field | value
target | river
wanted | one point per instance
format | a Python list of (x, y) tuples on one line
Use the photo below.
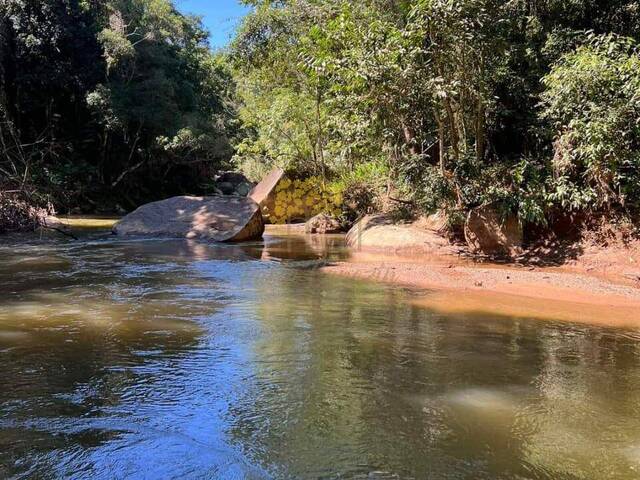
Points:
[(165, 359)]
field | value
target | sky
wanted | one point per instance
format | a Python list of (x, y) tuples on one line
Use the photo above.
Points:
[(219, 16)]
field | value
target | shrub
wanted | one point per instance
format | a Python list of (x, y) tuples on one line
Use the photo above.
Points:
[(18, 214), (363, 189), (592, 98)]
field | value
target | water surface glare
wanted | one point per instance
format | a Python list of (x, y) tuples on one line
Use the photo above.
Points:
[(172, 359)]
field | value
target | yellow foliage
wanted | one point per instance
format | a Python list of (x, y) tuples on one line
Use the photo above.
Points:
[(302, 199), (284, 184)]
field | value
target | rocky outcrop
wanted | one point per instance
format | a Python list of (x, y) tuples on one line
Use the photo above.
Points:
[(439, 222), (486, 231), (264, 192), (221, 219), (379, 232), (233, 183), (322, 223)]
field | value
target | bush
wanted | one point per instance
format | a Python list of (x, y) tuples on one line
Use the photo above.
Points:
[(592, 99), (17, 214), (299, 200), (363, 189)]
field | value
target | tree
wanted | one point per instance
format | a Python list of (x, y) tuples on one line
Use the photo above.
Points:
[(447, 96), (592, 100), (116, 101)]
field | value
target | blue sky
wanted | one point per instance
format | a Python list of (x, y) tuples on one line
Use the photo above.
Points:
[(219, 16)]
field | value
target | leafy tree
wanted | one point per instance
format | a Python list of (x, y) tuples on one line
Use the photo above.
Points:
[(529, 106), (592, 99), (448, 96), (117, 101), (160, 104)]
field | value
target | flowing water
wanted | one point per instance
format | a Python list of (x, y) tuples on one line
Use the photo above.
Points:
[(173, 359)]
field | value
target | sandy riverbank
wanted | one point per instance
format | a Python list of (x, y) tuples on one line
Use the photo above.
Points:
[(599, 287)]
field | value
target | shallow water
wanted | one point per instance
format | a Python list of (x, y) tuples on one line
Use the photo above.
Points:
[(175, 359)]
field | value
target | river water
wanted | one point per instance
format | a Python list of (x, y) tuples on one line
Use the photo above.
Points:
[(168, 359)]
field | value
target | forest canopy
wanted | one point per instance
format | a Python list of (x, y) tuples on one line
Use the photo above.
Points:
[(109, 102), (532, 106)]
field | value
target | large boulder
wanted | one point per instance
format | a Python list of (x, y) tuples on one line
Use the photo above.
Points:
[(487, 231), (438, 222), (226, 188), (264, 192), (322, 223), (379, 232), (243, 189), (221, 219), (234, 178)]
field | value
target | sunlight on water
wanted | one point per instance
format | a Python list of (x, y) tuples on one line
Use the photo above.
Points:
[(175, 359)]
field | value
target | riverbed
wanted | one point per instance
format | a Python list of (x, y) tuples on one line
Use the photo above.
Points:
[(177, 359)]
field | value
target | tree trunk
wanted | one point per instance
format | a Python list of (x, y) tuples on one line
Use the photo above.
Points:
[(320, 142), (480, 132), (441, 143), (410, 140), (455, 140)]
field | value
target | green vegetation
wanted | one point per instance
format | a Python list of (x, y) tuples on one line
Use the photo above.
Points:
[(106, 103), (533, 107)]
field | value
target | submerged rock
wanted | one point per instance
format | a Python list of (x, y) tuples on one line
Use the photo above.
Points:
[(221, 219), (487, 232), (322, 223)]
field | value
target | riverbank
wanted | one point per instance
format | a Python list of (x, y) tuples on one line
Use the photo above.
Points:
[(600, 286), (19, 214)]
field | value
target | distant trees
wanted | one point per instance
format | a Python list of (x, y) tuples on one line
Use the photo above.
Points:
[(113, 101), (531, 106)]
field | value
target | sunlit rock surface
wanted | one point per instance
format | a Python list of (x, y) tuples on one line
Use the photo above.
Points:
[(379, 232), (221, 219), (486, 231), (264, 192)]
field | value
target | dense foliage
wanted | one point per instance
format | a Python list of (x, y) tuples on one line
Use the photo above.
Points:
[(529, 105), (108, 102)]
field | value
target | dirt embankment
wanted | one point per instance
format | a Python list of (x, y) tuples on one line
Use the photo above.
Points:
[(576, 282)]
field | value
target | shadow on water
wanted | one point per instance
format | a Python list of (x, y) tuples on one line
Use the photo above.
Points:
[(177, 359)]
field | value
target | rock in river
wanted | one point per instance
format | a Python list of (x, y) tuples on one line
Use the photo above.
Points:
[(322, 223), (264, 192), (221, 219)]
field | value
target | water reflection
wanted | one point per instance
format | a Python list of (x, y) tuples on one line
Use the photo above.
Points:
[(172, 359)]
